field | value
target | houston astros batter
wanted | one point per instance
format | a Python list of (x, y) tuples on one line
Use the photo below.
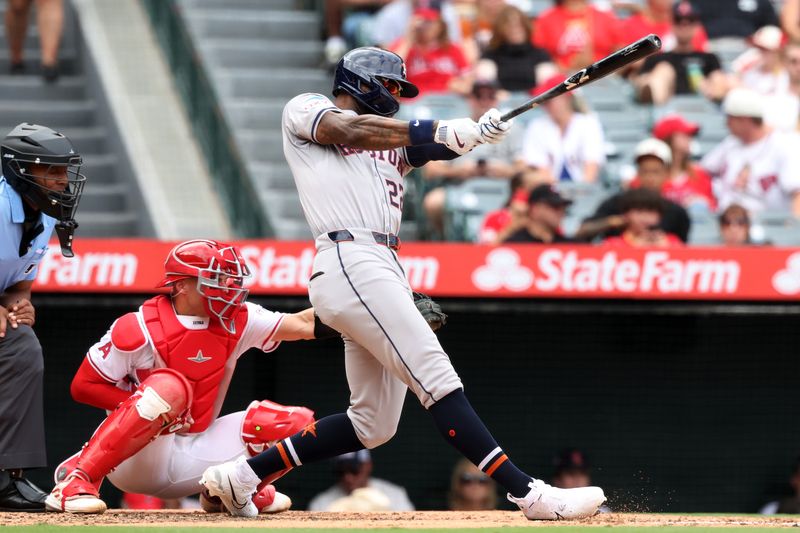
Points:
[(348, 158)]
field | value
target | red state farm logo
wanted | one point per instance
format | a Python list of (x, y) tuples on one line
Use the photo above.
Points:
[(502, 271), (787, 281)]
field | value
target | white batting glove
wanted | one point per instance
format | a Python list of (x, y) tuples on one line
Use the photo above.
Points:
[(494, 130), (460, 135)]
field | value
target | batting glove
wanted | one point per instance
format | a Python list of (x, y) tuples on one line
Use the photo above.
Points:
[(494, 130), (460, 135)]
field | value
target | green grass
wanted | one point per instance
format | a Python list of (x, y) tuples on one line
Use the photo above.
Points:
[(537, 529)]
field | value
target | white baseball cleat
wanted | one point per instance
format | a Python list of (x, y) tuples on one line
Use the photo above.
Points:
[(544, 502), (233, 484), (75, 495)]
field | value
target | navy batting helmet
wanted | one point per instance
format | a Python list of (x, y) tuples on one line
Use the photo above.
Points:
[(374, 77)]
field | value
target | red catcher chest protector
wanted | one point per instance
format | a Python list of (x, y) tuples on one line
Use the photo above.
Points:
[(199, 354)]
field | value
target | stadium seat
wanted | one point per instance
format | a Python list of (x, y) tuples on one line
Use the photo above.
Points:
[(467, 204)]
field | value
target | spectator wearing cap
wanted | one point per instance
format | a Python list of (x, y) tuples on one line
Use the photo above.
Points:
[(734, 226), (496, 161), (392, 21), (683, 70), (353, 471), (546, 211), (471, 489), (689, 185), (572, 470), (497, 225), (761, 67), (789, 504), (576, 33), (755, 166), (656, 17), (653, 160), (565, 144), (433, 63), (642, 211), (735, 18), (519, 64)]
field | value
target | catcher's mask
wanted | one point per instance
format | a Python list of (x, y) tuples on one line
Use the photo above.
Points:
[(375, 78), (220, 271), (42, 166)]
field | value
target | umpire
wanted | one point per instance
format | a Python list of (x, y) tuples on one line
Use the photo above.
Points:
[(39, 191)]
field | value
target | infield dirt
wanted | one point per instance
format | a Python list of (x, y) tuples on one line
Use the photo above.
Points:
[(406, 520)]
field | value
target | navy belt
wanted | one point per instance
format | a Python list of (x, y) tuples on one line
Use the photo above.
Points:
[(390, 240)]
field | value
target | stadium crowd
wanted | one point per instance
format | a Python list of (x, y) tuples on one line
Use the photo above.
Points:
[(697, 144)]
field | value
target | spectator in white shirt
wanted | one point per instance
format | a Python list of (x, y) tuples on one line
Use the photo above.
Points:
[(565, 144), (354, 472), (761, 68), (754, 166)]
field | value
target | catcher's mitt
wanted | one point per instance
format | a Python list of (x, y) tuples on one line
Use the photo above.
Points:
[(430, 311)]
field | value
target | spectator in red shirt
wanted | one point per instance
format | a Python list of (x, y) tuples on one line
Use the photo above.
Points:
[(500, 223), (433, 63), (689, 184), (576, 33), (656, 17), (642, 210)]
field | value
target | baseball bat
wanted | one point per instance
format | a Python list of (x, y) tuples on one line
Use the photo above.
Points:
[(630, 54)]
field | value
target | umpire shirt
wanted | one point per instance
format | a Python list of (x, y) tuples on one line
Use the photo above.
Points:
[(13, 266)]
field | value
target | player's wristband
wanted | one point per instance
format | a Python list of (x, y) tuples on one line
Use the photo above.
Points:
[(420, 131), (323, 331)]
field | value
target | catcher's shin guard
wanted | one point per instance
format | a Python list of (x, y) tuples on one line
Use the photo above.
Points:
[(158, 404)]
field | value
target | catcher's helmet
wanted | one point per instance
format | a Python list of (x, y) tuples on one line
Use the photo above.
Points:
[(364, 73), (220, 271)]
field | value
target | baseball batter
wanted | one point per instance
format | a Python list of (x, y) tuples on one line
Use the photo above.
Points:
[(348, 158), (179, 352)]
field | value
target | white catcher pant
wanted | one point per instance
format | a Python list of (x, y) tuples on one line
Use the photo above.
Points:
[(389, 347), (171, 465)]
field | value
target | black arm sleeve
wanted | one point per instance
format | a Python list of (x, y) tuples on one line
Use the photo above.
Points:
[(422, 153)]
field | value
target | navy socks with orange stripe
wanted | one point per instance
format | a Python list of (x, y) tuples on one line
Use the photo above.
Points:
[(323, 439), (463, 429)]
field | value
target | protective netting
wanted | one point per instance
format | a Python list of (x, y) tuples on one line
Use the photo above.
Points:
[(685, 413)]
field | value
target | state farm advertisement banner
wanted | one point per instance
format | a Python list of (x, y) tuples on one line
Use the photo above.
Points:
[(464, 270)]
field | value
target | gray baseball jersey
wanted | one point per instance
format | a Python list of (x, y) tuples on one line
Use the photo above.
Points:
[(358, 287), (341, 187)]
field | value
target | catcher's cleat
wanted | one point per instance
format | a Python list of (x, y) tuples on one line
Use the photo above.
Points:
[(75, 495), (269, 501), (544, 502), (225, 482)]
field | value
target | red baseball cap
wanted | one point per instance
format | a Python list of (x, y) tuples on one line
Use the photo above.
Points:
[(427, 13), (547, 84), (672, 124)]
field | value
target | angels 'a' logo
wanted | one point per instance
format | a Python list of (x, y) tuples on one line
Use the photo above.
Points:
[(576, 79)]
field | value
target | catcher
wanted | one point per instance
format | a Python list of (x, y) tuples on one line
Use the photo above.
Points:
[(163, 371)]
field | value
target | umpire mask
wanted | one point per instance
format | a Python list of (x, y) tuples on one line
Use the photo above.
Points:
[(41, 165)]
